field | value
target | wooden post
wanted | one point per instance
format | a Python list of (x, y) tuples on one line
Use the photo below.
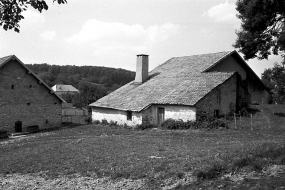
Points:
[(251, 121), (235, 120)]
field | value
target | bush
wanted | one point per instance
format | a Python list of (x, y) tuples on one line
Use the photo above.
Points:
[(147, 123), (179, 124), (215, 124), (113, 123), (96, 122), (88, 120), (202, 116), (104, 122), (173, 124)]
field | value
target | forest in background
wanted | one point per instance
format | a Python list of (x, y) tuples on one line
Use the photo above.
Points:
[(92, 81), (110, 78)]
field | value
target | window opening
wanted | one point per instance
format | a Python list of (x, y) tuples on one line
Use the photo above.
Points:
[(12, 86)]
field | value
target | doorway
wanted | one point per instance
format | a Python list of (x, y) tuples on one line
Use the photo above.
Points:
[(160, 116)]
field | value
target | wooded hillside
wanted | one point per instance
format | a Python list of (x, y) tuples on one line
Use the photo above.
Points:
[(110, 78)]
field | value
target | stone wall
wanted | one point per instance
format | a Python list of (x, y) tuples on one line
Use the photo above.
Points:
[(222, 98), (23, 98)]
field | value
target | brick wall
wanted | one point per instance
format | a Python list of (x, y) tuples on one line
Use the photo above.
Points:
[(222, 98), (23, 98)]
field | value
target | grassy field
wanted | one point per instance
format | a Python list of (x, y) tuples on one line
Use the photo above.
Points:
[(150, 159)]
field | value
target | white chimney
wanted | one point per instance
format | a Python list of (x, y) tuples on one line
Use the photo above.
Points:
[(142, 69)]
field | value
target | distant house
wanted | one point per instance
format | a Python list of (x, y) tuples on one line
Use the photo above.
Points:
[(216, 84), (25, 97), (64, 89)]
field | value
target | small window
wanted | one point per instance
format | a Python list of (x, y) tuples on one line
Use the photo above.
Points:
[(55, 103), (30, 86), (129, 115), (28, 104), (216, 113), (12, 86)]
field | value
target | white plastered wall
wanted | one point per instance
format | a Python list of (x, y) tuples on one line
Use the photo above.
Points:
[(116, 115), (185, 113), (177, 112)]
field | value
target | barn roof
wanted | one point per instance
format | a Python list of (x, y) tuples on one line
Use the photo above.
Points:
[(180, 80), (6, 59)]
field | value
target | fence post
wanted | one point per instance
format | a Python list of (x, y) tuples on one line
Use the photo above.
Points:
[(235, 120), (251, 121)]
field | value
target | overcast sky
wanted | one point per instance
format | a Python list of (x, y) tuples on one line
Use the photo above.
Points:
[(111, 33)]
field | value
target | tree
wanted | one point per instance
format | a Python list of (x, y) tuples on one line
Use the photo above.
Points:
[(89, 93), (262, 30), (274, 79), (11, 11)]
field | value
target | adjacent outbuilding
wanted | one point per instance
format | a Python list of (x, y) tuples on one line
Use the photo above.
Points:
[(61, 89), (181, 88), (26, 98)]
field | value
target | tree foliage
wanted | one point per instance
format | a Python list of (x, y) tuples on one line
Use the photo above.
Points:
[(11, 11), (109, 78), (89, 93), (262, 30), (274, 79)]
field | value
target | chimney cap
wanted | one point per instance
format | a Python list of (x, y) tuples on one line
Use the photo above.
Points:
[(142, 55)]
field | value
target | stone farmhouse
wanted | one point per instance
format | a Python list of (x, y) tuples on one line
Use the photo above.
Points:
[(25, 97), (64, 89), (215, 83)]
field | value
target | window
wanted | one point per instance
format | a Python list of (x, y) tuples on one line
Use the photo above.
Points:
[(129, 115), (30, 86), (28, 104), (216, 113), (12, 86)]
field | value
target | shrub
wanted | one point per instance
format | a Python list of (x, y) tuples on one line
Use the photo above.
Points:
[(179, 124), (96, 122), (173, 124), (113, 123), (215, 124), (104, 122), (88, 120), (147, 123), (202, 116)]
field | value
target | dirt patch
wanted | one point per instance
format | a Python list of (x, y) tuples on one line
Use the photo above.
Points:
[(36, 181)]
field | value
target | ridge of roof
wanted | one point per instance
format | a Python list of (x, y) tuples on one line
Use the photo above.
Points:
[(203, 54)]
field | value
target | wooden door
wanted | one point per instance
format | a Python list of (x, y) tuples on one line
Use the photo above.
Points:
[(160, 116)]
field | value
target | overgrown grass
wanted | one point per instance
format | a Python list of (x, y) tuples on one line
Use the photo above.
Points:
[(156, 155)]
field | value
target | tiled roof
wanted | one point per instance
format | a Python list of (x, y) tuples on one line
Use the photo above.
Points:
[(179, 80)]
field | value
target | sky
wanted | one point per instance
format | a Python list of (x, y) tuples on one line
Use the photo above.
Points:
[(111, 33)]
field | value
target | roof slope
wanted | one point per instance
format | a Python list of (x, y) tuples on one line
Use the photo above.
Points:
[(6, 59), (179, 80)]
